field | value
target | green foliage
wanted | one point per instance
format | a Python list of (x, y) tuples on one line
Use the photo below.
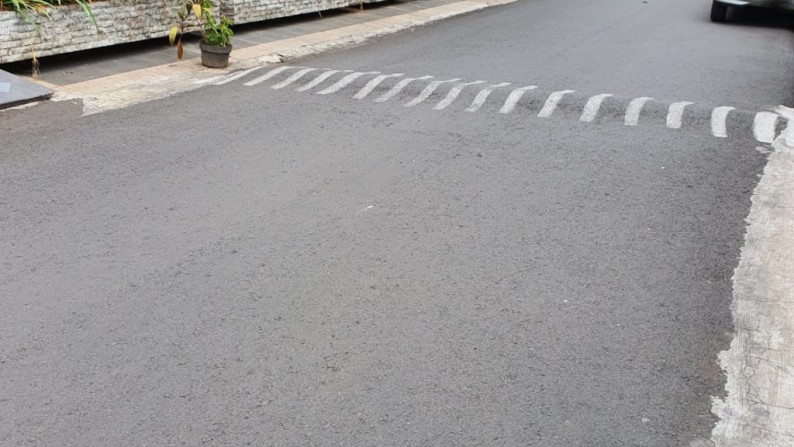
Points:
[(198, 14), (218, 32), (26, 9), (29, 9)]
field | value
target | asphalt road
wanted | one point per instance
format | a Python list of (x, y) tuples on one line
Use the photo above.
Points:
[(243, 265)]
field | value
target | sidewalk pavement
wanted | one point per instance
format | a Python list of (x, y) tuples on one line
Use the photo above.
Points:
[(119, 76)]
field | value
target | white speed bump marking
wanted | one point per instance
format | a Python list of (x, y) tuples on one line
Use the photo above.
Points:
[(634, 109), (719, 127), (675, 114), (429, 91), (453, 94), (591, 108), (764, 126), (514, 97), (764, 123), (295, 76), (479, 100), (551, 103)]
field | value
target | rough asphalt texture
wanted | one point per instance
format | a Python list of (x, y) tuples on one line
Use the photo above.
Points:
[(246, 266)]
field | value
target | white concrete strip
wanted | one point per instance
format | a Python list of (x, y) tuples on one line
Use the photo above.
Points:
[(514, 97), (453, 94), (764, 126), (295, 76), (634, 109), (482, 96), (236, 76), (344, 82), (371, 85), (267, 75), (592, 106), (398, 87), (428, 91), (787, 135), (319, 79), (5, 87), (551, 103), (675, 114), (719, 116), (758, 410)]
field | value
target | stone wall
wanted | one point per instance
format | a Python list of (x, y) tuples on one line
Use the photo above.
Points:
[(124, 21), (69, 29), (245, 11)]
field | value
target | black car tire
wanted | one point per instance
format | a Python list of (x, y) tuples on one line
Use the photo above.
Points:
[(719, 12)]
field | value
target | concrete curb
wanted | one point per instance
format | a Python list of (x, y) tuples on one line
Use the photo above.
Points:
[(759, 408), (138, 86)]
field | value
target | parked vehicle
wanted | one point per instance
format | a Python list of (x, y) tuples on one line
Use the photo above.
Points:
[(719, 8)]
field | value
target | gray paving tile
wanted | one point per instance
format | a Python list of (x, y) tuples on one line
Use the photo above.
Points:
[(16, 91)]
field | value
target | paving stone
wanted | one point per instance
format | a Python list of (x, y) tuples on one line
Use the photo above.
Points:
[(16, 91)]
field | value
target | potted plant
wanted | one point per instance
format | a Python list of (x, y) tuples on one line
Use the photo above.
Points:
[(216, 33)]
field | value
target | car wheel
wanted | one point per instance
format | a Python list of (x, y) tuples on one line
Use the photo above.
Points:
[(719, 12)]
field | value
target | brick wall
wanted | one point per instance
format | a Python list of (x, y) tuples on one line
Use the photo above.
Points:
[(123, 21)]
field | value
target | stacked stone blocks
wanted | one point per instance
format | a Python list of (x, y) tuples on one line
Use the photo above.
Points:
[(122, 21)]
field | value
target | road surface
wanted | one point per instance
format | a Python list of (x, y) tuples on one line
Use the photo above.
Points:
[(410, 251)]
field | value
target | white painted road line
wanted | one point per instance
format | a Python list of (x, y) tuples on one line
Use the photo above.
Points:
[(236, 76), (676, 113), (344, 82), (399, 87), (479, 100), (719, 116), (267, 75), (209, 80), (453, 94), (299, 74), (5, 87), (514, 97), (319, 79), (591, 108), (374, 83), (428, 91), (764, 126), (551, 103), (634, 109), (765, 123)]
